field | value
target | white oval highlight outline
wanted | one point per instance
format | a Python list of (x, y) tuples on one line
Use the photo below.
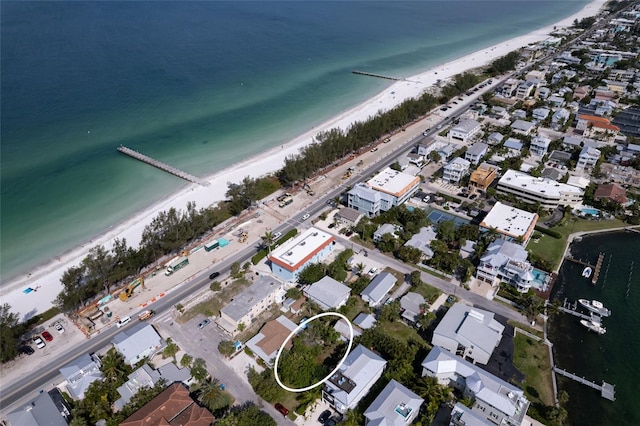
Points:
[(298, 328)]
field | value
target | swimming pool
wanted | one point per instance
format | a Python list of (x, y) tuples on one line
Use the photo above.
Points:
[(539, 279), (590, 210)]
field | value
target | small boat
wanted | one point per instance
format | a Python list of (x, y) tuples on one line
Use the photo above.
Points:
[(594, 325), (595, 307), (586, 272)]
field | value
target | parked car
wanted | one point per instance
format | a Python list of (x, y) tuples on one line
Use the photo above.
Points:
[(59, 328), (473, 197), (214, 275), (276, 235), (202, 324), (28, 350), (47, 336), (39, 342), (324, 416), (123, 321), (283, 410), (372, 271)]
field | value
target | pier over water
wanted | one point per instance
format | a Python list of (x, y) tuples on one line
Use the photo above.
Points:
[(162, 166)]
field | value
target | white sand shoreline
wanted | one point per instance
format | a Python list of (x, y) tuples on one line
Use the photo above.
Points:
[(46, 279)]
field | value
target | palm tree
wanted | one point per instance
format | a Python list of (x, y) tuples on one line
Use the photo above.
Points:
[(360, 267), (199, 370), (267, 240), (171, 349), (211, 395), (113, 366)]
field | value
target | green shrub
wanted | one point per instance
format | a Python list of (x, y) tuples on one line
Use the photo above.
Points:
[(549, 232)]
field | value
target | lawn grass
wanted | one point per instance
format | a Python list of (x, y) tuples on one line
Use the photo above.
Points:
[(552, 249), (354, 306), (401, 330), (434, 273), (526, 328), (212, 306), (532, 359), (429, 293)]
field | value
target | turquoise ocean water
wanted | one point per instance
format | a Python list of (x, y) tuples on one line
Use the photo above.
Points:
[(199, 85), (612, 357)]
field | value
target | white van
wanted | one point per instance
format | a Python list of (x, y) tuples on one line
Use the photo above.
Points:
[(123, 321)]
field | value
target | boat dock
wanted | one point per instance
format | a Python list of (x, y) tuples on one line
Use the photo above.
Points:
[(571, 308), (596, 271), (162, 166), (370, 74), (607, 390)]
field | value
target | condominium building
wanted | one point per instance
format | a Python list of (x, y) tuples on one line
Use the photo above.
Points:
[(510, 223), (311, 246), (386, 189), (549, 193)]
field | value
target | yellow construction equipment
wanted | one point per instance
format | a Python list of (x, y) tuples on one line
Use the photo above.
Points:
[(127, 292)]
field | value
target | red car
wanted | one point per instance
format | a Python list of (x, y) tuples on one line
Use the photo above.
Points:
[(283, 410), (47, 336)]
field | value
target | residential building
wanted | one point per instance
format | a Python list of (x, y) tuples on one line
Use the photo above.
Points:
[(510, 223), (465, 130), (468, 332), (348, 217), (310, 246), (629, 121), (461, 415), (172, 407), (80, 373), (247, 306), (342, 327), (506, 261), (508, 88), (549, 193), (526, 89), (46, 409), (270, 338), (425, 149), (394, 406), (412, 305), (495, 138), (455, 170), (578, 182), (422, 241), (146, 376), (138, 342), (386, 228), (513, 145), (378, 288), (386, 189), (588, 158), (483, 176), (493, 398), (559, 118), (592, 125), (556, 101), (522, 127), (611, 192), (359, 372), (540, 114), (364, 321), (328, 293), (475, 152), (619, 87), (539, 146)]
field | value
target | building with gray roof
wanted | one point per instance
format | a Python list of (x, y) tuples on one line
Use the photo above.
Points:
[(475, 152), (386, 228), (471, 332), (506, 261), (80, 373), (137, 342), (348, 216), (359, 372), (46, 409), (523, 127), (364, 321), (146, 376), (378, 288), (411, 304), (422, 241), (464, 130), (463, 415), (493, 398), (455, 169), (394, 406), (328, 293)]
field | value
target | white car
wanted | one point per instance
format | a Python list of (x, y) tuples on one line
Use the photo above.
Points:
[(39, 342), (276, 235), (305, 216), (59, 328), (372, 271), (123, 321)]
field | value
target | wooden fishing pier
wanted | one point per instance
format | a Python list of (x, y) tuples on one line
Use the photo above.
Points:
[(596, 269), (607, 390), (162, 166), (370, 74)]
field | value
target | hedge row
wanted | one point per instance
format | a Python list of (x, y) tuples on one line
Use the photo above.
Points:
[(261, 254), (549, 232)]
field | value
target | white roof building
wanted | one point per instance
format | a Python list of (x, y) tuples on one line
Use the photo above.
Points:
[(455, 170), (511, 223), (464, 130), (364, 321), (386, 189), (588, 158), (310, 246), (80, 373), (422, 241), (474, 330), (506, 261), (494, 399), (378, 288), (328, 293), (549, 193), (539, 145), (137, 342), (394, 406), (359, 372)]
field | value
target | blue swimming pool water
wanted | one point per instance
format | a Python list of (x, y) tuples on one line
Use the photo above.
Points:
[(539, 278), (590, 210)]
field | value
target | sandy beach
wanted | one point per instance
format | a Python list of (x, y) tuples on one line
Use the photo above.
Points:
[(46, 279)]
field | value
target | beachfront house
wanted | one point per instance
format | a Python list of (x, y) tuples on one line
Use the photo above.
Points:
[(464, 130), (138, 342)]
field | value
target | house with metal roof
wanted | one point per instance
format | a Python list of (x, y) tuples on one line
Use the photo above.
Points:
[(310, 246), (386, 228), (539, 145), (522, 127), (378, 288), (147, 376), (248, 305), (455, 169), (328, 293), (46, 409), (475, 152), (353, 380), (138, 342), (494, 399), (588, 158), (464, 130), (80, 373), (348, 216), (470, 332), (394, 406), (506, 261), (270, 338), (412, 305), (364, 321), (422, 241)]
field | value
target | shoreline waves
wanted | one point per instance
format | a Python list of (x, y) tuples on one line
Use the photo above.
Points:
[(46, 278)]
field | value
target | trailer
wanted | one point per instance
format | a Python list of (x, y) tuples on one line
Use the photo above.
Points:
[(175, 264), (286, 202), (212, 245), (146, 314)]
